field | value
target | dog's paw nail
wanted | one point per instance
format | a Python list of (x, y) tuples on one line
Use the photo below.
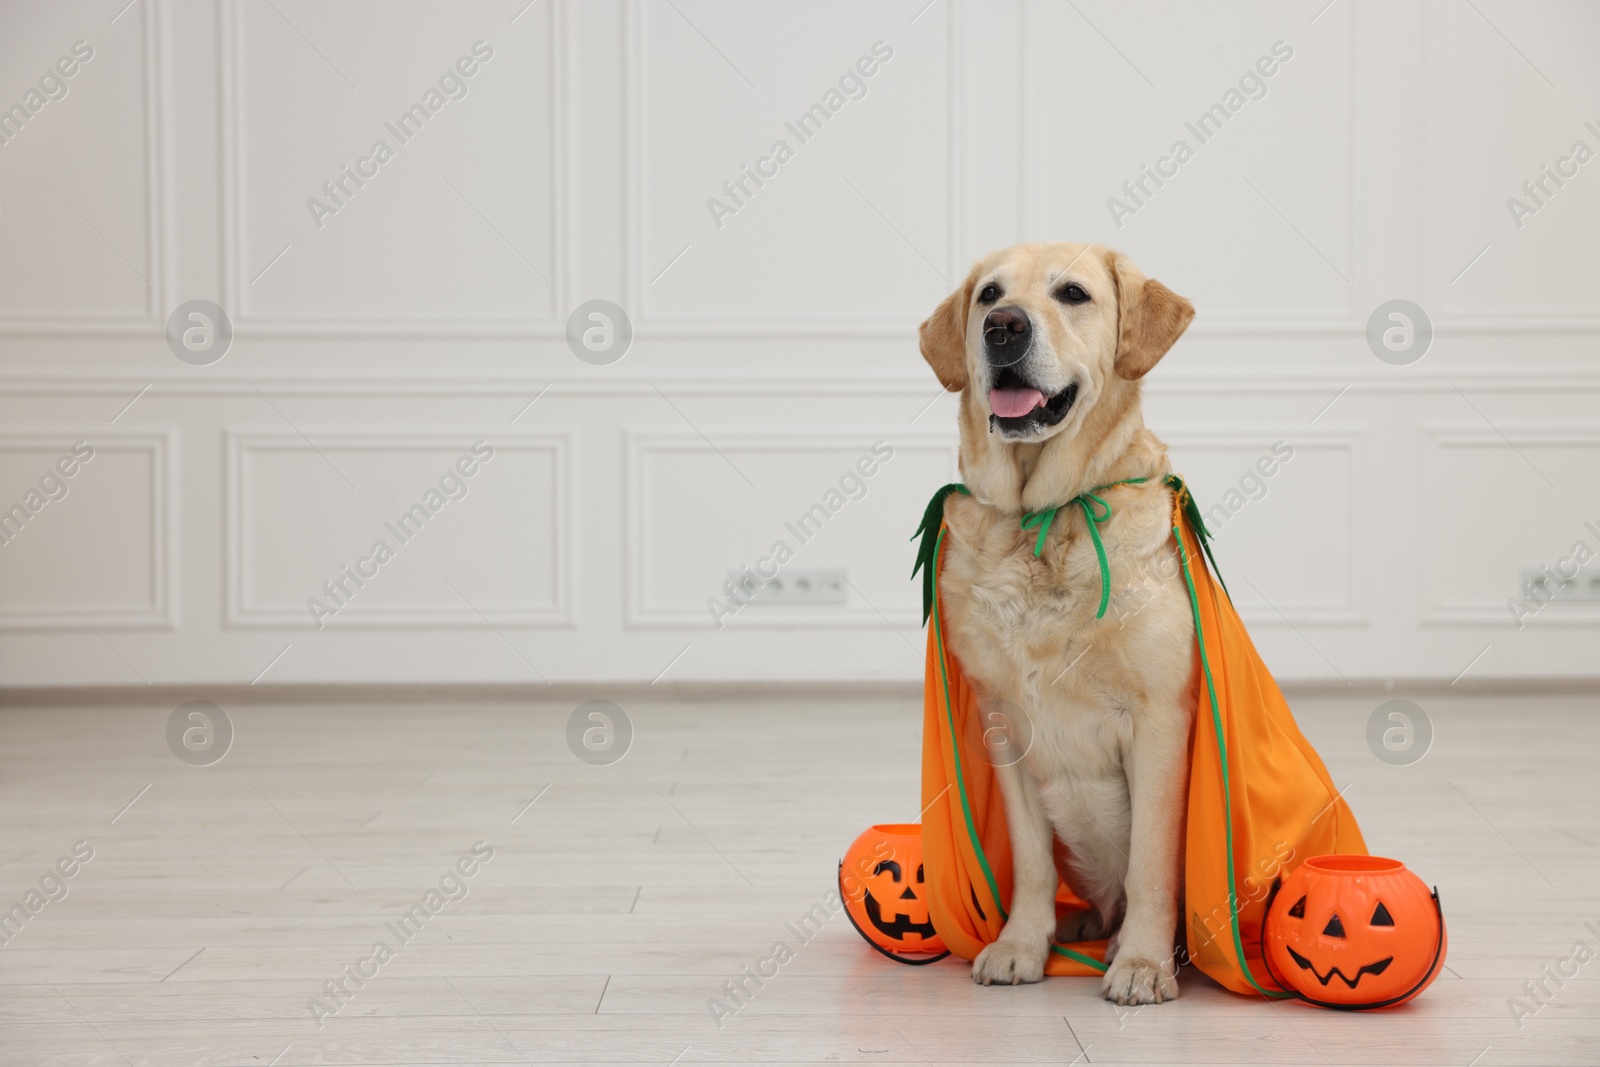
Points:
[(1131, 980), (1008, 963)]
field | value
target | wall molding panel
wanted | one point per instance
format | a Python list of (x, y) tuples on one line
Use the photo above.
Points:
[(157, 222), (636, 283), (245, 530), (237, 276), (159, 612)]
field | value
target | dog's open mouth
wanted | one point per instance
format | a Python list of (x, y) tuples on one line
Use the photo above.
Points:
[(1017, 405)]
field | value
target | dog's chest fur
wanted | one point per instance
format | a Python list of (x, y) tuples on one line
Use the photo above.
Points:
[(1025, 632), (1003, 602), (1024, 628)]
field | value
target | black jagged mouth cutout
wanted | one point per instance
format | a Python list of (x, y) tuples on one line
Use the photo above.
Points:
[(1371, 968), (900, 927)]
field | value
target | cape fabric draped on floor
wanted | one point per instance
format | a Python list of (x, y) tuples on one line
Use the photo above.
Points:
[(1260, 800)]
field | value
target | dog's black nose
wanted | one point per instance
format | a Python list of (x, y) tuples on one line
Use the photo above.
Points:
[(1006, 326)]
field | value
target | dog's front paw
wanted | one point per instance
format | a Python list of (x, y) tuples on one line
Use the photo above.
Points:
[(1132, 980), (1009, 963)]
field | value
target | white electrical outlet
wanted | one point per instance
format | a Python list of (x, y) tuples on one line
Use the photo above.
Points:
[(1548, 585), (791, 587)]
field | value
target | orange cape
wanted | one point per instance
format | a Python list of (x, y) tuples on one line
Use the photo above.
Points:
[(1260, 800)]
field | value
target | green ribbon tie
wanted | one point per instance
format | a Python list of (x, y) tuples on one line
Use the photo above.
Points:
[(1095, 511)]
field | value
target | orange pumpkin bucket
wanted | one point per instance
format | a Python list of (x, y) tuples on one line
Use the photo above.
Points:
[(882, 885), (1353, 932)]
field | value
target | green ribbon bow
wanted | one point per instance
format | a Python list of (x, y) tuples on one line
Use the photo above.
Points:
[(1095, 511), (1092, 519)]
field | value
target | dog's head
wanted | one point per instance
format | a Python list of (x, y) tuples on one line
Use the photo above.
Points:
[(1040, 333)]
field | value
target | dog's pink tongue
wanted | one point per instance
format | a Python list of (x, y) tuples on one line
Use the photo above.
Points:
[(1013, 403)]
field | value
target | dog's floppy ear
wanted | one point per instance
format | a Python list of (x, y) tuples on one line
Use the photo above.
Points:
[(1150, 318), (944, 336)]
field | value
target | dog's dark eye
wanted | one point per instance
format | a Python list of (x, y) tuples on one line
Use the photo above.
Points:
[(1073, 294), (990, 294)]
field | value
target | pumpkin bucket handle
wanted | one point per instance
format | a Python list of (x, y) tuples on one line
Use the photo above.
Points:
[(1266, 959)]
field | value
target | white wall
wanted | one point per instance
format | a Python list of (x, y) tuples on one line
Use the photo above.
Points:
[(772, 350)]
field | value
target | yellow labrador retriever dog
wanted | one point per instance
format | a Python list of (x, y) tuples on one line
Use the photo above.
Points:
[(1047, 344)]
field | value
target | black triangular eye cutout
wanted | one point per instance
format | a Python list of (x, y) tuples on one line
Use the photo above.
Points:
[(1335, 928), (1381, 917), (1299, 909), (919, 877)]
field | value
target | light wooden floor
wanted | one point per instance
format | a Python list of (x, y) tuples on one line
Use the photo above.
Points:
[(617, 905)]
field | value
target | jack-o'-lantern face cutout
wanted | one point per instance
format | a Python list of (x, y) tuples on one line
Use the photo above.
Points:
[(1334, 929), (906, 904), (882, 884), (1354, 932)]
